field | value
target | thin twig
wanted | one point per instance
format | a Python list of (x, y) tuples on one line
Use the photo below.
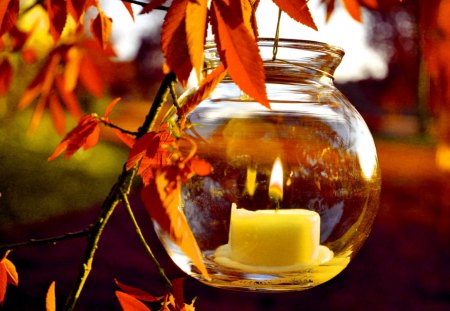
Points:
[(44, 241), (141, 237), (112, 125)]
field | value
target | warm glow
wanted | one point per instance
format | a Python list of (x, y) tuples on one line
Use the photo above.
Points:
[(276, 180), (443, 157)]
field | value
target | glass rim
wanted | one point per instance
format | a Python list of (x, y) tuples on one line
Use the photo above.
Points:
[(292, 43), (301, 44)]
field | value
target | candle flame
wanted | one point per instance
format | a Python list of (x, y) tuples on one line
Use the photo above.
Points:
[(276, 181)]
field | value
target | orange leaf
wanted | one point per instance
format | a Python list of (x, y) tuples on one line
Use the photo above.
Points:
[(129, 8), (353, 8), (205, 88), (57, 113), (152, 5), (178, 293), (329, 8), (50, 299), (72, 68), (125, 138), (200, 167), (6, 75), (196, 12), (69, 99), (3, 282), (298, 10), (129, 303), (76, 8), (138, 293), (101, 28), (85, 134), (147, 146), (162, 199), (249, 17), (372, 4), (173, 41), (18, 38), (9, 11), (57, 14), (91, 77), (238, 50), (12, 276), (41, 83), (110, 107)]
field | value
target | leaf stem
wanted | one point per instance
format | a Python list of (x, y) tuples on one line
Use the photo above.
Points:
[(141, 237), (50, 240)]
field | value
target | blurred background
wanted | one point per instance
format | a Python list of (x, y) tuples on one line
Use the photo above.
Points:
[(397, 74)]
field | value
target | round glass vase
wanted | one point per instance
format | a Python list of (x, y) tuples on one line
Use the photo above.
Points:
[(294, 189)]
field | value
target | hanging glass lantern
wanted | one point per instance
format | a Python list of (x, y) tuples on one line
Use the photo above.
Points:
[(294, 189)]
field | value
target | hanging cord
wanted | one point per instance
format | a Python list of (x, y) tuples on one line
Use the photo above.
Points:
[(277, 37)]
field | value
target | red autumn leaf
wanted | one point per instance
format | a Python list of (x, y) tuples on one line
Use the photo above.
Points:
[(129, 303), (200, 167), (57, 113), (329, 8), (57, 14), (147, 146), (238, 50), (110, 107), (129, 8), (50, 298), (18, 38), (29, 55), (353, 8), (196, 12), (41, 83), (298, 10), (173, 41), (101, 28), (85, 135), (205, 88), (9, 11), (6, 75), (125, 138), (372, 4), (69, 99), (72, 68), (152, 5), (162, 199), (76, 8), (249, 16), (138, 293), (12, 276), (91, 77), (3, 282), (178, 293)]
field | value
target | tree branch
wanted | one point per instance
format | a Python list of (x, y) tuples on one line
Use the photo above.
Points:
[(122, 186), (141, 237), (44, 241)]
